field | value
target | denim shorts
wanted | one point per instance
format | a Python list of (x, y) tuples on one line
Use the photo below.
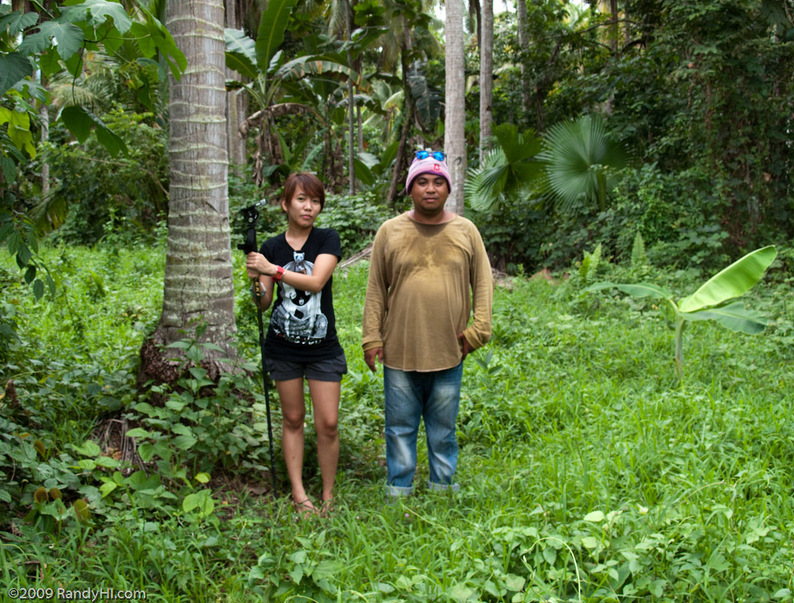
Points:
[(317, 370)]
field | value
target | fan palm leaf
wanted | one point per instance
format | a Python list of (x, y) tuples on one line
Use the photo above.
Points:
[(509, 169), (581, 162)]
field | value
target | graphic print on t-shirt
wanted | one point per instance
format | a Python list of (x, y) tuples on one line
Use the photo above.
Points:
[(299, 317)]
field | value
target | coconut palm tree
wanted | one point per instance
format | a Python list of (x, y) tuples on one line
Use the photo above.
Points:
[(454, 99), (199, 288), (486, 76)]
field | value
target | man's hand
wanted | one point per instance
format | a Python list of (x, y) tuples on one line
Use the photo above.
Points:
[(370, 356), (465, 346)]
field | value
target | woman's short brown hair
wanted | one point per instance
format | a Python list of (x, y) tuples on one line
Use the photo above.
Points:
[(310, 185)]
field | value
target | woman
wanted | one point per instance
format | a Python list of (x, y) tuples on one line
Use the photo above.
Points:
[(301, 341)]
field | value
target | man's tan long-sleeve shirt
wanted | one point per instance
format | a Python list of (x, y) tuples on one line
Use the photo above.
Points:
[(425, 280)]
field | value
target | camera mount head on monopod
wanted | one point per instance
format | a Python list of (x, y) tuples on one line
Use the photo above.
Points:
[(251, 216)]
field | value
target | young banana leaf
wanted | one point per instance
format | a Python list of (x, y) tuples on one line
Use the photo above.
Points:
[(732, 282), (714, 300)]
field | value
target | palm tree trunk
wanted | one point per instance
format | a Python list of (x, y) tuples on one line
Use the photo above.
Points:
[(351, 138), (44, 115), (351, 142), (235, 102), (523, 46), (455, 119), (408, 116), (199, 291), (486, 77), (613, 18)]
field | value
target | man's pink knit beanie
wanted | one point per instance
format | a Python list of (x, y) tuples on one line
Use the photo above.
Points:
[(429, 165)]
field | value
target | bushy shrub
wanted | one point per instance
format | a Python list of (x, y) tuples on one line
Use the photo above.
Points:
[(672, 212), (103, 194), (355, 218), (512, 236)]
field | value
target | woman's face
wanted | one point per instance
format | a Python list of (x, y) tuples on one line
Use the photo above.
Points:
[(302, 209)]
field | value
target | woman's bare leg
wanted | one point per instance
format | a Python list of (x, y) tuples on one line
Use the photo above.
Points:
[(325, 399), (293, 410)]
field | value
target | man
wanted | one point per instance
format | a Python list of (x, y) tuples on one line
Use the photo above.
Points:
[(428, 273)]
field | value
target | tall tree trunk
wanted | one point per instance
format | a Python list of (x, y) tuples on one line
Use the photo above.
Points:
[(360, 127), (613, 18), (235, 102), (44, 116), (455, 119), (351, 138), (523, 46), (199, 288), (400, 161), (486, 77)]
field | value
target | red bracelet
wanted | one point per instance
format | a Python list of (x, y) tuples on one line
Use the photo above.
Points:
[(279, 273)]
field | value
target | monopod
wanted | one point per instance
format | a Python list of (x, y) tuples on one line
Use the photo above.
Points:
[(251, 215)]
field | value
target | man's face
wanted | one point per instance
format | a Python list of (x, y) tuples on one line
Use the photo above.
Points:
[(429, 193)]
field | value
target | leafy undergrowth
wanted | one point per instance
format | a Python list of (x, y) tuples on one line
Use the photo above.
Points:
[(588, 473)]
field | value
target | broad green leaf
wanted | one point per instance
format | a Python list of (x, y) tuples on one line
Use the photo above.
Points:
[(16, 22), (107, 488), (240, 53), (184, 442), (589, 542), (201, 501), (153, 37), (638, 290), (735, 280), (271, 30), (514, 582), (109, 139), (363, 173), (66, 37), (595, 516), (182, 430), (78, 122), (13, 68), (315, 65), (107, 462), (96, 12), (38, 289), (146, 408), (733, 316), (140, 481), (9, 169), (89, 448)]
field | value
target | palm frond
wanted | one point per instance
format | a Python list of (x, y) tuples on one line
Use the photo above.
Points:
[(581, 158)]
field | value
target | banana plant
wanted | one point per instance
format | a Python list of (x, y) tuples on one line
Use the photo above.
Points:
[(714, 300), (272, 80)]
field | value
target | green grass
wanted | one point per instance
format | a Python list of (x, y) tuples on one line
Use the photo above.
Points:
[(587, 473)]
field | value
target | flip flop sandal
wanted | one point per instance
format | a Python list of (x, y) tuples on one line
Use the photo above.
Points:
[(327, 507), (304, 508)]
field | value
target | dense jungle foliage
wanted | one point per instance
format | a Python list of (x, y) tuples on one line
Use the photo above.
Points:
[(634, 141), (697, 95), (588, 472)]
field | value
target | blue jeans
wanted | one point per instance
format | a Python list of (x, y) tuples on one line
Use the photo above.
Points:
[(411, 396)]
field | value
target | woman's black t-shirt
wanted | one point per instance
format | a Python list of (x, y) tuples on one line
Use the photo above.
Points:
[(302, 324)]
